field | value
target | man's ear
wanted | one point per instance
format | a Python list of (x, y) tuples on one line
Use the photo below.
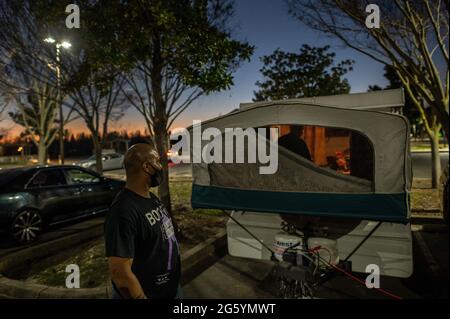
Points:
[(148, 168)]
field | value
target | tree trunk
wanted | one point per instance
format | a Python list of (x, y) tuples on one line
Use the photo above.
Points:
[(442, 114), (160, 120), (42, 152), (98, 153), (161, 138), (435, 160)]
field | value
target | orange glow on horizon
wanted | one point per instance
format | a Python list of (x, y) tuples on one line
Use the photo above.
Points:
[(13, 131)]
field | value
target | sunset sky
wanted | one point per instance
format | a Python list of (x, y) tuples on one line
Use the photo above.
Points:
[(267, 25)]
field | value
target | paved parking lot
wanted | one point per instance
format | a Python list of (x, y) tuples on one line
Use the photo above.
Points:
[(233, 277)]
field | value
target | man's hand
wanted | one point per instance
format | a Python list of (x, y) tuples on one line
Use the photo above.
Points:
[(124, 278)]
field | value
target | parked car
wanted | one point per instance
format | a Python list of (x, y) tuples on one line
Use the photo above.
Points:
[(33, 198), (109, 161)]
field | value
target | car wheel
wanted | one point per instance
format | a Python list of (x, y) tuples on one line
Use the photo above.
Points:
[(26, 226)]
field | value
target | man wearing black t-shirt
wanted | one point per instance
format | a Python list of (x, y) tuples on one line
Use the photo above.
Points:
[(141, 247)]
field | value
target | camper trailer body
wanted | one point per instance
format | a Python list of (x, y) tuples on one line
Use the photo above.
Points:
[(377, 207)]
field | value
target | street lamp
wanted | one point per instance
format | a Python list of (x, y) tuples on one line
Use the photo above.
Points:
[(58, 45)]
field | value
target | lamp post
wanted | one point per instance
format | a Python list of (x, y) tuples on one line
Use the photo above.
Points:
[(58, 46)]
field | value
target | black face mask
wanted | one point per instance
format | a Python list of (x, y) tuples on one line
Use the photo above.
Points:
[(157, 178)]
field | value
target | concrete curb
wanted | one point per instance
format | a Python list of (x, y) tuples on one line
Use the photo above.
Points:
[(22, 290), (193, 262), (200, 257), (210, 246)]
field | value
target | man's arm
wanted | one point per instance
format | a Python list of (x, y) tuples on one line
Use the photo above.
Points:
[(124, 278)]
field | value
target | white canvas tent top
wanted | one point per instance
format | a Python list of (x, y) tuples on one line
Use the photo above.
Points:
[(384, 100), (300, 186)]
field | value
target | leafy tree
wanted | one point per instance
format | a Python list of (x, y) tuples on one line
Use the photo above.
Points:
[(375, 87), (311, 72), (172, 51)]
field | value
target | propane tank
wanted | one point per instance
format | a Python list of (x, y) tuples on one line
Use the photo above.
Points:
[(329, 251), (283, 241)]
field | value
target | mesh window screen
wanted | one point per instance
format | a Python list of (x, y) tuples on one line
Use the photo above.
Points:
[(341, 161)]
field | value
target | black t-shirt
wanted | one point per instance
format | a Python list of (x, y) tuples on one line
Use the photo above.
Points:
[(140, 228)]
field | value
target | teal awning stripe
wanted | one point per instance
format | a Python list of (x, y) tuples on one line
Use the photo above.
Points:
[(371, 206)]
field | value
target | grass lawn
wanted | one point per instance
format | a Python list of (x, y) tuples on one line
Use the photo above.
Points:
[(423, 197), (424, 146)]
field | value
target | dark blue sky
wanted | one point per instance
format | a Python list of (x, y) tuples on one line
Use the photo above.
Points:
[(267, 25)]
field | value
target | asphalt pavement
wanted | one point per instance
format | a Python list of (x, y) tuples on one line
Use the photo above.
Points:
[(233, 277), (421, 163)]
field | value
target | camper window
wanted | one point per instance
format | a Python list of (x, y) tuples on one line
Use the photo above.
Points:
[(345, 151), (310, 159)]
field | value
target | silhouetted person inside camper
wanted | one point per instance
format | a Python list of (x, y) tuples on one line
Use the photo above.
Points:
[(294, 142)]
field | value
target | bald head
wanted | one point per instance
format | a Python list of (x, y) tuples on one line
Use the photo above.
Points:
[(141, 158)]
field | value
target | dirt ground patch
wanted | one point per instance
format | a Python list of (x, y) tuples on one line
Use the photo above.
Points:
[(424, 198), (92, 263)]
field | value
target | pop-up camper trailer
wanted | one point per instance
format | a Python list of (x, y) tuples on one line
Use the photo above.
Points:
[(350, 197)]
